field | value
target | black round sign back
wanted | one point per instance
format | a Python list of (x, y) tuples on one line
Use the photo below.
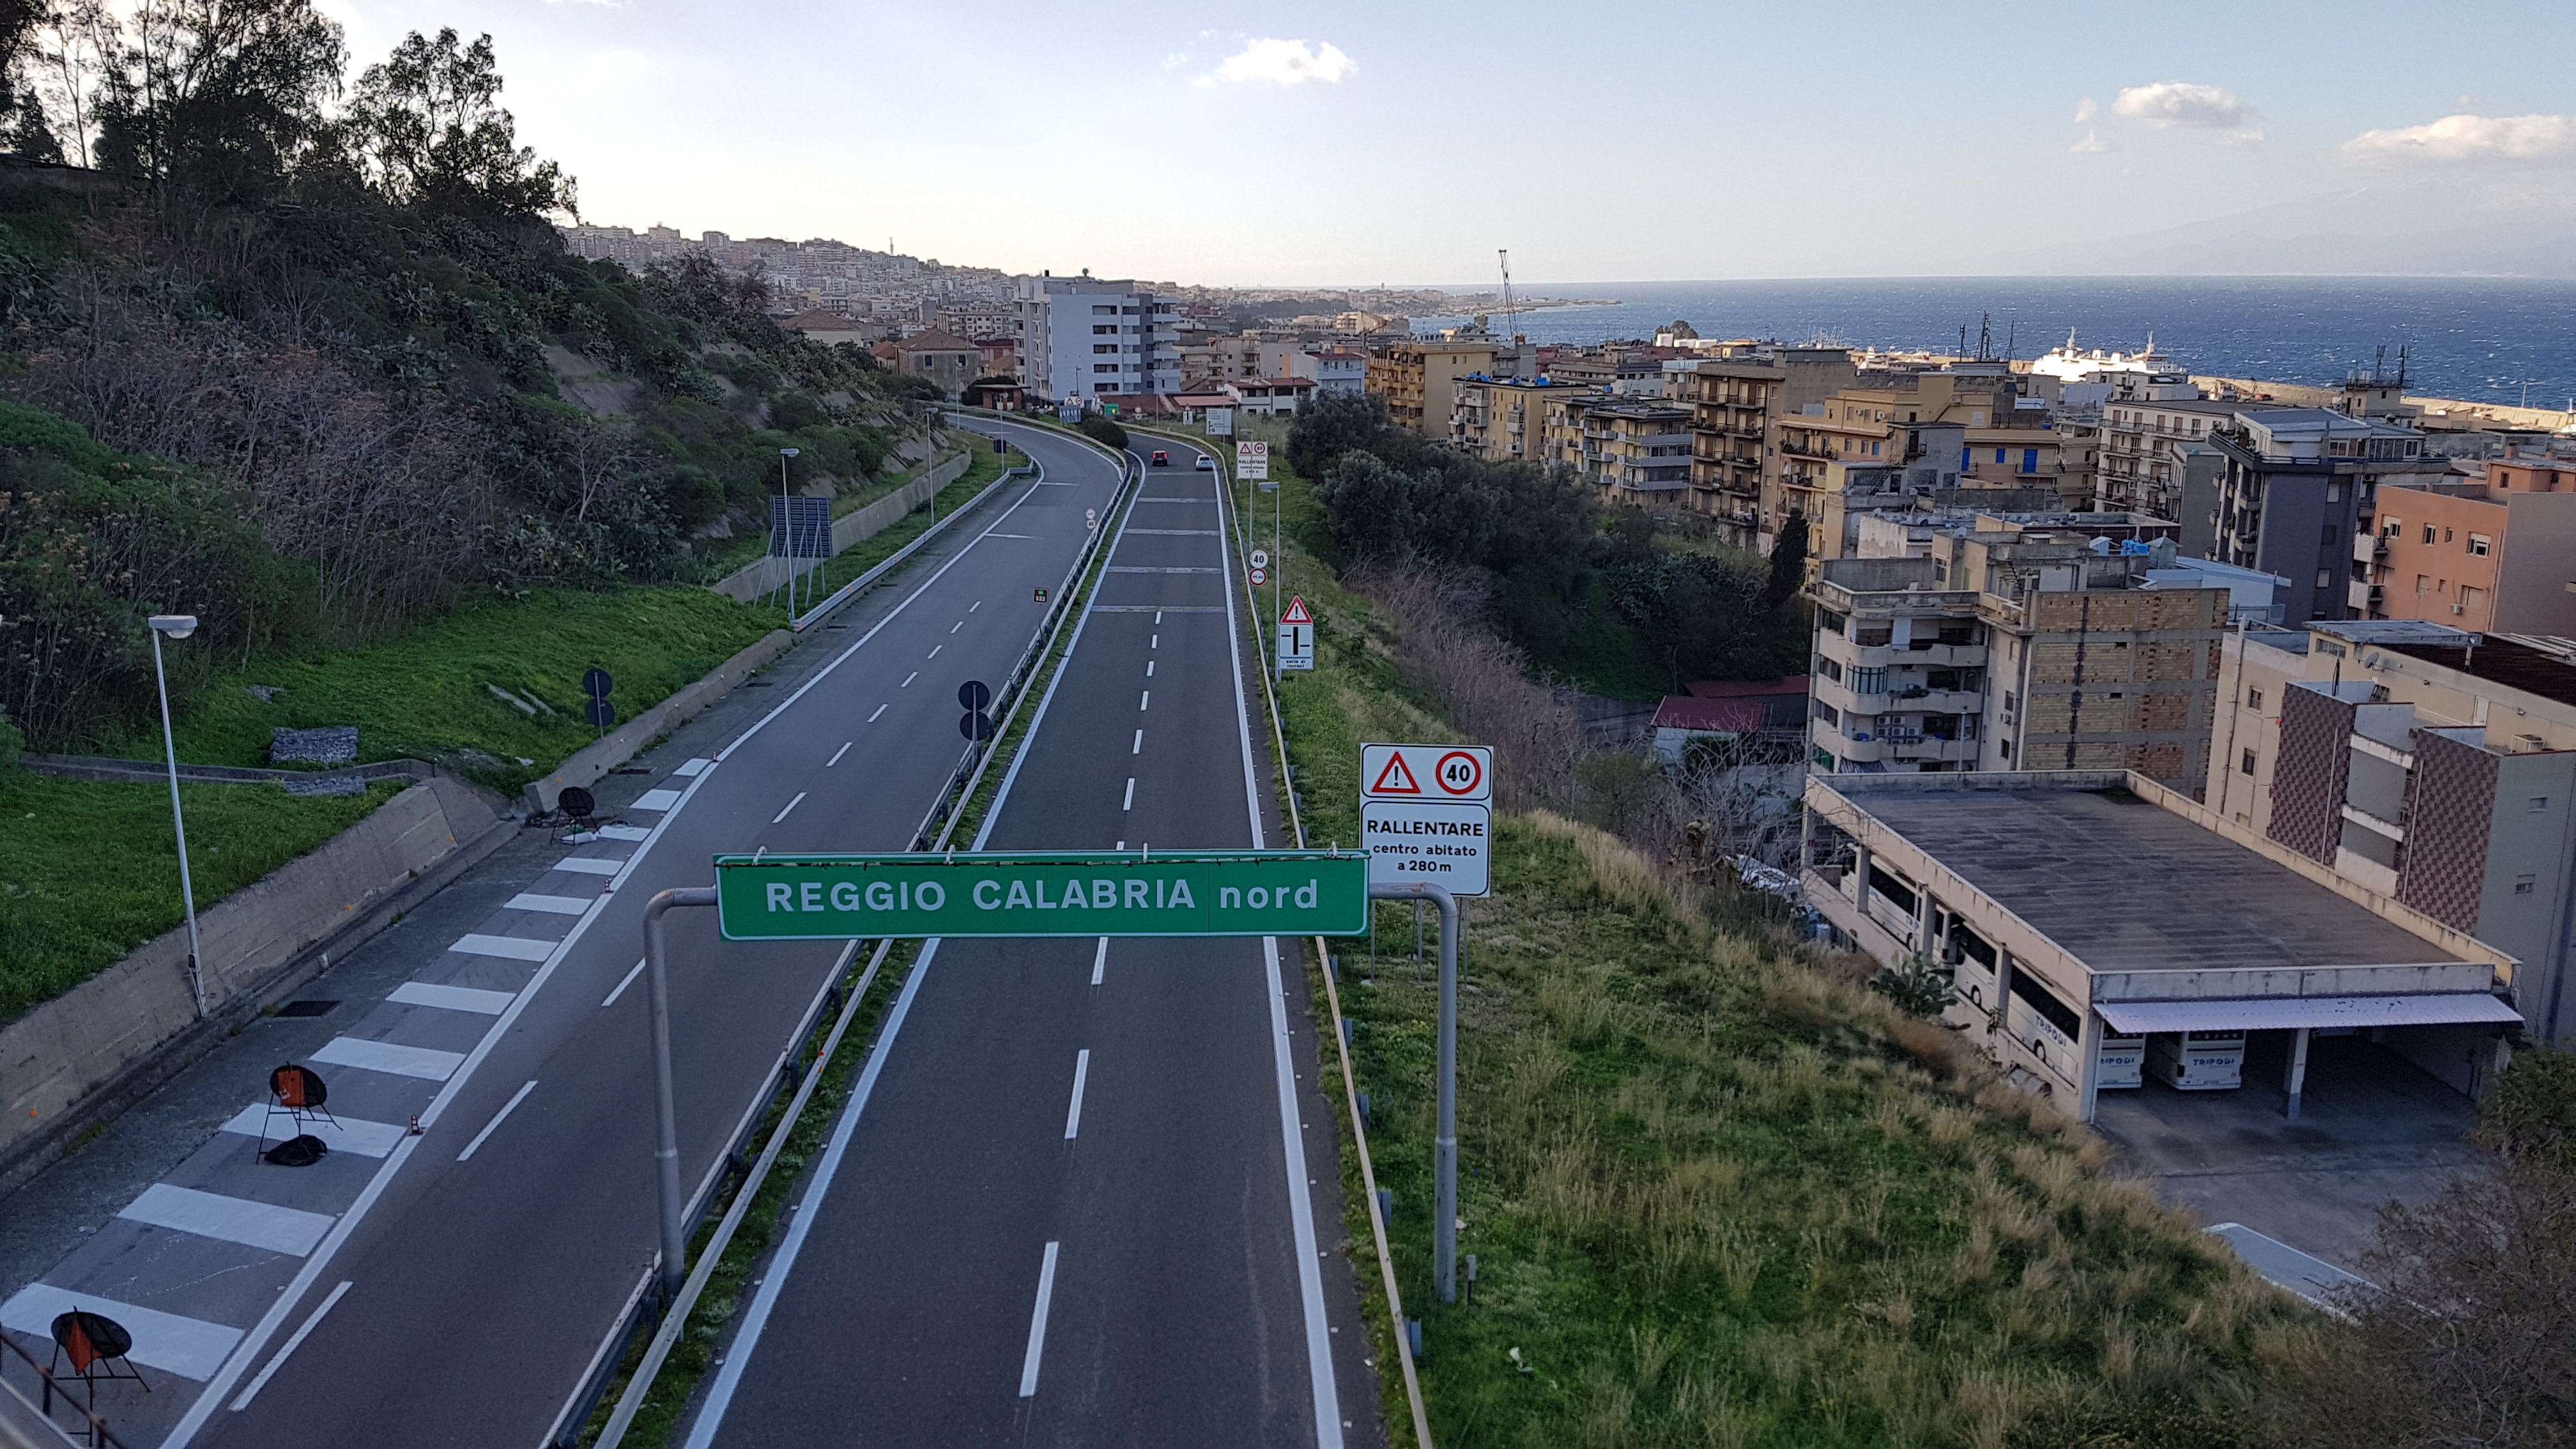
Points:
[(973, 695), (597, 684), (575, 801), (974, 724)]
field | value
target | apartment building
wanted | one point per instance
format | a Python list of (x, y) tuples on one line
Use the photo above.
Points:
[(1504, 419), (2141, 467), (2072, 978), (1331, 369), (2293, 488), (1418, 378), (943, 357), (2016, 649), (2003, 439), (2491, 554), (1736, 401), (1083, 337), (1637, 452), (2431, 766)]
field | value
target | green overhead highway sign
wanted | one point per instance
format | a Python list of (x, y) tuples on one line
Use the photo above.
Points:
[(1100, 893)]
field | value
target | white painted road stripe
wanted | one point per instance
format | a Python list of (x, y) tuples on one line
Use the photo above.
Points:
[(934, 651), (231, 1219), (691, 769), (551, 905), (960, 624), (624, 832), (389, 1057), (1131, 794), (507, 1108), (1140, 744), (792, 804), (908, 679), (845, 746), (623, 982), (452, 998), (589, 865), (515, 948), (1037, 1324), (1143, 700), (1099, 960), (292, 1344), (656, 800), (192, 1348), (1073, 1113), (881, 709), (353, 1134)]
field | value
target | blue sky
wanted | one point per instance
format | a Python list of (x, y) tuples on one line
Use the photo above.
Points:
[(1362, 143)]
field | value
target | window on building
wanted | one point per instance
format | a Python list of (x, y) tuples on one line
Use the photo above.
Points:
[(1104, 311), (1104, 367), (2325, 578), (2254, 700), (2008, 702), (2004, 747), (2246, 765), (2523, 884), (2446, 534), (2334, 493), (2471, 597), (2428, 533), (1999, 455), (2538, 804), (2480, 545), (1869, 681), (2030, 460), (2327, 538), (1105, 330), (2390, 528)]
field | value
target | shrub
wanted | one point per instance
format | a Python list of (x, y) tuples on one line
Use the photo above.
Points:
[(1103, 430)]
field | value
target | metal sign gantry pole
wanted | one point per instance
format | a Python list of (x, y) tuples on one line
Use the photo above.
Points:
[(1444, 1141), (666, 1149)]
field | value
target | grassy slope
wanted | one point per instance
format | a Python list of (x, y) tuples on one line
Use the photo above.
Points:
[(1717, 1195), (89, 871), (427, 692)]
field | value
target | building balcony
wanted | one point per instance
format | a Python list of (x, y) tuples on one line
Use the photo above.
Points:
[(1900, 746), (1853, 655), (2392, 829), (2365, 596), (2368, 547), (1915, 700)]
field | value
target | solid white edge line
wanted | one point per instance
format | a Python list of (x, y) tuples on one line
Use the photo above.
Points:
[(1100, 961), (792, 804), (625, 981), (1301, 1208), (746, 1339), (1037, 1324), (1073, 1110), (292, 1344), (507, 1108)]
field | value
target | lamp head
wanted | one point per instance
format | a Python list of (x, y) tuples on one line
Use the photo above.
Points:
[(177, 626), (787, 452)]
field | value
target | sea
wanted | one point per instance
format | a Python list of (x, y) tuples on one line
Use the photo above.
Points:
[(2482, 340)]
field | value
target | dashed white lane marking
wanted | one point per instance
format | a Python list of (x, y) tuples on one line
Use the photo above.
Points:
[(1155, 643), (391, 1058), (349, 1134), (192, 1348), (1131, 794), (881, 709), (1139, 747), (1158, 618), (845, 747), (623, 982), (507, 1108), (514, 948), (551, 905), (452, 998), (1073, 1113), (1149, 669), (1143, 700), (792, 804), (908, 679), (1037, 1324), (586, 865), (292, 1344), (689, 770), (960, 624), (624, 832), (656, 800), (231, 1219), (934, 651), (1100, 958), (971, 608)]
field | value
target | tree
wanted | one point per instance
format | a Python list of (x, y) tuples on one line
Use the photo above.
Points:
[(1103, 429), (220, 99), (1788, 561), (69, 56), (427, 130), (1332, 424)]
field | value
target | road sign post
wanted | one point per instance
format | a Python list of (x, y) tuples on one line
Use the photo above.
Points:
[(1444, 1133)]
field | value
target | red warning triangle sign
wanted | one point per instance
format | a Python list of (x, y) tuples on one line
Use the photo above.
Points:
[(1296, 611), (1395, 779)]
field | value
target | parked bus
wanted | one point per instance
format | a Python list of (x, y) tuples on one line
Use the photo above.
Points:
[(2040, 1021), (2122, 1061), (2198, 1061)]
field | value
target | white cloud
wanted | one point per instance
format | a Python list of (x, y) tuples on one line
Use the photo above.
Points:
[(2184, 103), (2245, 139), (2086, 111), (2094, 144), (1281, 63), (2469, 140)]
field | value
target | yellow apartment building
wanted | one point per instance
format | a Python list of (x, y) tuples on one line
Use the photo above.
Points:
[(1419, 380)]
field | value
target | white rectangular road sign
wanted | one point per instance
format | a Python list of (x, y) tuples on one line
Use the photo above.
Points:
[(1463, 774), (1252, 460), (1423, 841), (1296, 646)]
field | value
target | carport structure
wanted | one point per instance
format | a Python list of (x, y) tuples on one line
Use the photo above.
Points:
[(2075, 907)]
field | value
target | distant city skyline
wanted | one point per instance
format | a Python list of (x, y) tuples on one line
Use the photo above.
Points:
[(1350, 145)]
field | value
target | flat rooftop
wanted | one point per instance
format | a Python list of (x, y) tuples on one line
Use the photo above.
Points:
[(2126, 885)]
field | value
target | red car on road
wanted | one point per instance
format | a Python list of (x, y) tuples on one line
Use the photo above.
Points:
[(1162, 459)]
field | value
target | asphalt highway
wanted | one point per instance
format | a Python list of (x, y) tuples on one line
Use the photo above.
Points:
[(479, 1290), (1073, 1201)]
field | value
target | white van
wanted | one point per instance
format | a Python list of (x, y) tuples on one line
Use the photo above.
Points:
[(2198, 1061), (2122, 1061)]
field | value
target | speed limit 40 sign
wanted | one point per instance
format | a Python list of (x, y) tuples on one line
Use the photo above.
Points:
[(1460, 774)]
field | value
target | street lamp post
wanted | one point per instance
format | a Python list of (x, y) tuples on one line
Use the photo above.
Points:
[(178, 626)]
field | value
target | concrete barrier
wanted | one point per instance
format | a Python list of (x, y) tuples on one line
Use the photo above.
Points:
[(748, 582), (88, 1053), (593, 762)]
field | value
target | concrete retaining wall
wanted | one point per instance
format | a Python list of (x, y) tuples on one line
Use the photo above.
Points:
[(81, 1055), (746, 583), (628, 740)]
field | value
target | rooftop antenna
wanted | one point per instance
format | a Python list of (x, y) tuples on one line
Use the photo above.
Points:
[(2011, 331), (1511, 309), (1985, 337), (1963, 342)]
